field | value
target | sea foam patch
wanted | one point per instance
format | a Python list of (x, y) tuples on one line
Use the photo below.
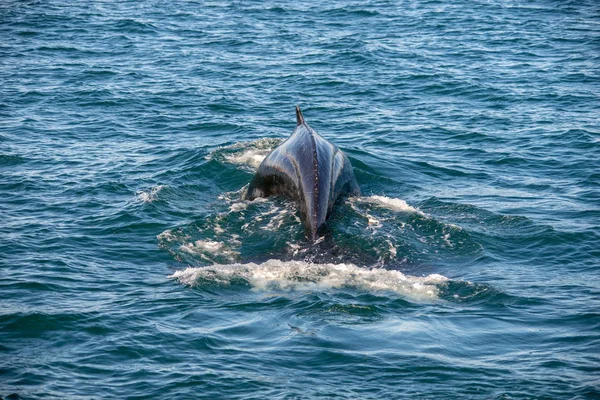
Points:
[(304, 276)]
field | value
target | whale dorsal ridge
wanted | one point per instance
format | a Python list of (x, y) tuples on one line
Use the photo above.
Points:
[(299, 116)]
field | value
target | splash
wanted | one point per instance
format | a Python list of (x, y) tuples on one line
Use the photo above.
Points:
[(304, 276)]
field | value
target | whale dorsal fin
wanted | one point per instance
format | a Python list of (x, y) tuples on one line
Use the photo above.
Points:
[(299, 116)]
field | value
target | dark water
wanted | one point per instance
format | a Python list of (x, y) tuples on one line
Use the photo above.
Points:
[(469, 269)]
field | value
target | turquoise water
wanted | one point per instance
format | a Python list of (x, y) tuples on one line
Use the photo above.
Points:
[(131, 268)]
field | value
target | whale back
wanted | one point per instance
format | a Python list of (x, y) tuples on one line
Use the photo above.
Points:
[(309, 170)]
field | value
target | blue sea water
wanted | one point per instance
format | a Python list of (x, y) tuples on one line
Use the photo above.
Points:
[(130, 267)]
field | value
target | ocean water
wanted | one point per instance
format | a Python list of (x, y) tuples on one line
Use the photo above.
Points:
[(130, 266)]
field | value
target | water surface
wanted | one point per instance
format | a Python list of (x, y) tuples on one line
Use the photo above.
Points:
[(131, 268)]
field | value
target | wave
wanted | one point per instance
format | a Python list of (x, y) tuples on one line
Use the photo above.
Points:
[(305, 276)]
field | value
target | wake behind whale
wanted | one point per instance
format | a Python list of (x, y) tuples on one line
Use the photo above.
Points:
[(309, 170)]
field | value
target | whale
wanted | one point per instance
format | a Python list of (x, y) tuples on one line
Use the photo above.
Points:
[(308, 170)]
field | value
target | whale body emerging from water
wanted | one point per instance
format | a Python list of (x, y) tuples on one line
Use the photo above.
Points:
[(309, 170)]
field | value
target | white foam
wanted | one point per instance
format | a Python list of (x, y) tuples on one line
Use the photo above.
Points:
[(239, 206), (203, 245), (390, 203), (393, 250), (247, 153), (446, 239), (373, 222), (209, 247), (304, 276), (295, 248), (235, 240), (233, 196), (167, 235), (251, 157), (148, 196), (218, 229), (277, 220)]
